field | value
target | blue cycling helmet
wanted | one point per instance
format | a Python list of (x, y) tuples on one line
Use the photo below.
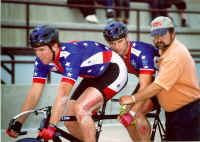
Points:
[(114, 31), (43, 35)]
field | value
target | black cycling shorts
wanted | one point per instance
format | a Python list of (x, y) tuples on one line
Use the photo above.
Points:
[(104, 83)]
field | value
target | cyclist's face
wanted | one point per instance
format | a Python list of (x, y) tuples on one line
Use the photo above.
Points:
[(44, 54), (120, 46)]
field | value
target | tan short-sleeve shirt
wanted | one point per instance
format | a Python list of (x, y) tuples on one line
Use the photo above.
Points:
[(178, 77)]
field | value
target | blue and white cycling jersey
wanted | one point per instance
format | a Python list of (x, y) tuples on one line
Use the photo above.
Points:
[(81, 58), (141, 58)]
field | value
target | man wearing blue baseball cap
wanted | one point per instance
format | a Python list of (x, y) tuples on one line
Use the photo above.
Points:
[(176, 85)]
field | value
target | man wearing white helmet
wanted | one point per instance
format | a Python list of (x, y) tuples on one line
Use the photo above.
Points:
[(176, 85)]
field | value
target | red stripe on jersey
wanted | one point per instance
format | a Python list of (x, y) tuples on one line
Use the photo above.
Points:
[(109, 93), (75, 41), (107, 56), (60, 67), (127, 61), (39, 80), (72, 82), (57, 62), (146, 72)]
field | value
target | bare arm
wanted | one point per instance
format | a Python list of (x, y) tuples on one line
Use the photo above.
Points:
[(60, 102), (144, 81), (32, 99), (150, 91)]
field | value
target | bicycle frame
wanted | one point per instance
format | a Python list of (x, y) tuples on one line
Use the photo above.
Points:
[(59, 132), (98, 117)]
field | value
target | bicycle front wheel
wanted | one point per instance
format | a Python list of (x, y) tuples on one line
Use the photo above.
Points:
[(29, 140)]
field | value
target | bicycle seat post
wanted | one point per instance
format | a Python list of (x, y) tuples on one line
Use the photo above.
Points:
[(100, 122)]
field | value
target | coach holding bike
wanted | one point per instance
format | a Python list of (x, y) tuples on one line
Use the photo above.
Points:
[(176, 85), (104, 75), (139, 58)]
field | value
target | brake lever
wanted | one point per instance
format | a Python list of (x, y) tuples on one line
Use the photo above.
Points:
[(10, 124)]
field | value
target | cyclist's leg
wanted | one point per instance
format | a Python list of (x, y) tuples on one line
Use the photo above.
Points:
[(91, 100), (107, 85), (73, 126), (141, 131)]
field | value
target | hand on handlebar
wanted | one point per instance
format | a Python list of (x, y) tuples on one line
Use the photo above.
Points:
[(14, 129), (48, 133)]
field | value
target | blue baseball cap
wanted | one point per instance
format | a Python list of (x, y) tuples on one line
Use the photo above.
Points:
[(159, 32), (160, 25)]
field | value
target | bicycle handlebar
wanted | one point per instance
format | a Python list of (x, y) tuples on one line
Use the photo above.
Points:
[(114, 100), (44, 111)]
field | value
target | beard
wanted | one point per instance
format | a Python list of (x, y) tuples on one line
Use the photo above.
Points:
[(162, 45)]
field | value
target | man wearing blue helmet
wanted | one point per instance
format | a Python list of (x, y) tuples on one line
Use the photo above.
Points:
[(139, 58), (104, 75), (176, 85)]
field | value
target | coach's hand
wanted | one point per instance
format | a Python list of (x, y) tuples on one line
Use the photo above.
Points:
[(14, 129), (48, 133), (126, 100)]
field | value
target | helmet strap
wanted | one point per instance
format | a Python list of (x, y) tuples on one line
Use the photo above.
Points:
[(54, 54)]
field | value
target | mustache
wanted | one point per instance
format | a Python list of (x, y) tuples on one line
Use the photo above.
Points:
[(160, 43)]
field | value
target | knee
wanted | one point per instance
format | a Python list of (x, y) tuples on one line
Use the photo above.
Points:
[(143, 126), (80, 112)]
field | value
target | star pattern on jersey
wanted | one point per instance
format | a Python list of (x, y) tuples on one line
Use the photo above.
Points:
[(35, 73), (96, 44), (63, 48), (85, 44), (67, 64), (36, 63), (143, 57), (101, 68), (118, 85), (69, 74), (89, 61), (134, 44), (52, 64), (64, 54), (107, 48), (89, 71)]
